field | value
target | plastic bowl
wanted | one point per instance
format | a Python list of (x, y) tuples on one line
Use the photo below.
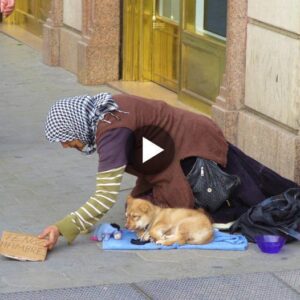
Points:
[(270, 243)]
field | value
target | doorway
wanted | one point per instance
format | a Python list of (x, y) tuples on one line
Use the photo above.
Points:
[(179, 44)]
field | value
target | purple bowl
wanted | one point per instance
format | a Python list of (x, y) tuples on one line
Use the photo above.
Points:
[(270, 243)]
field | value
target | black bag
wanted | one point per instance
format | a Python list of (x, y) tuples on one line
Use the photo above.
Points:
[(210, 185), (277, 215)]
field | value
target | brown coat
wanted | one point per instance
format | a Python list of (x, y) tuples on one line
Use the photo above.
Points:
[(193, 135)]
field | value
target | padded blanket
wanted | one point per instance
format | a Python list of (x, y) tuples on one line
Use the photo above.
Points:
[(222, 241)]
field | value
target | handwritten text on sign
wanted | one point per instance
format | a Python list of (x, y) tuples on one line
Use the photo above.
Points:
[(22, 246)]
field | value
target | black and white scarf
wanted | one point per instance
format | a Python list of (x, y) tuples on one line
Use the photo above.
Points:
[(77, 118)]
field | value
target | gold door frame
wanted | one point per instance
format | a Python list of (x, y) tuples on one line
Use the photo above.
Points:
[(132, 31)]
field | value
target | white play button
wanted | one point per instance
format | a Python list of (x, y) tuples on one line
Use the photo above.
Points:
[(150, 150), (153, 150)]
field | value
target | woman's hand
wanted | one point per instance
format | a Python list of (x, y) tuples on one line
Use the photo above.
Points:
[(50, 233)]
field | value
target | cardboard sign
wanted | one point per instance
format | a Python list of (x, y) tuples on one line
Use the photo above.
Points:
[(22, 246)]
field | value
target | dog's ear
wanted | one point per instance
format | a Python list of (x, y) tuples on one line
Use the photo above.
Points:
[(145, 207)]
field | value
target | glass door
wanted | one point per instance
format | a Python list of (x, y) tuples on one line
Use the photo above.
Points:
[(165, 51), (151, 41), (203, 45), (179, 44)]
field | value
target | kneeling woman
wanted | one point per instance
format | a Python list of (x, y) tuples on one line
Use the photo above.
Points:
[(107, 124)]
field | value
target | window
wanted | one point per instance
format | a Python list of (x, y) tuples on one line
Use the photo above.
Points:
[(211, 17), (169, 9)]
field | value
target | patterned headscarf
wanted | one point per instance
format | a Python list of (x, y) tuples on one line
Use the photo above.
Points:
[(76, 118)]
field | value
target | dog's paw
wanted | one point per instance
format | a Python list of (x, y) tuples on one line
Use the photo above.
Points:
[(165, 242), (140, 233), (159, 242), (146, 237)]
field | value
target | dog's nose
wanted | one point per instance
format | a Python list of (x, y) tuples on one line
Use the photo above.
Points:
[(128, 226)]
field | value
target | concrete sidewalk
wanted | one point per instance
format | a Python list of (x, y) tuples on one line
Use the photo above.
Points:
[(41, 182)]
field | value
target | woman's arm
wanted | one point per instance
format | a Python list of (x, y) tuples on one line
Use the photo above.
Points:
[(82, 220), (113, 156)]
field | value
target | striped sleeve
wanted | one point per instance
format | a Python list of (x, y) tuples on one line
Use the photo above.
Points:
[(107, 190)]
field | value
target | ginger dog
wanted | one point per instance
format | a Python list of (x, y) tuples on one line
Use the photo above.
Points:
[(167, 226)]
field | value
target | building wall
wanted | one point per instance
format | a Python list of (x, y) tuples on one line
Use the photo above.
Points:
[(83, 36), (259, 103), (267, 115)]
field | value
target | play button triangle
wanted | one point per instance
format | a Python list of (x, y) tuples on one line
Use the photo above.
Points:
[(150, 149)]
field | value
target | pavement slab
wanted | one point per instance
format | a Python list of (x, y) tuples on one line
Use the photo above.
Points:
[(41, 182)]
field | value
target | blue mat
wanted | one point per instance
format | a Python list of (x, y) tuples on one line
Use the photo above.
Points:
[(222, 241)]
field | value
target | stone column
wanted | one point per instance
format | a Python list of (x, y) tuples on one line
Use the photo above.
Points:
[(99, 47), (51, 34), (232, 91)]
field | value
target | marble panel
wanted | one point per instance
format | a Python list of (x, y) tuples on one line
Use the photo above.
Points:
[(72, 13), (282, 14), (273, 75), (271, 145)]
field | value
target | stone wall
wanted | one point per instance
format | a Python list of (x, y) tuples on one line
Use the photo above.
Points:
[(263, 118)]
